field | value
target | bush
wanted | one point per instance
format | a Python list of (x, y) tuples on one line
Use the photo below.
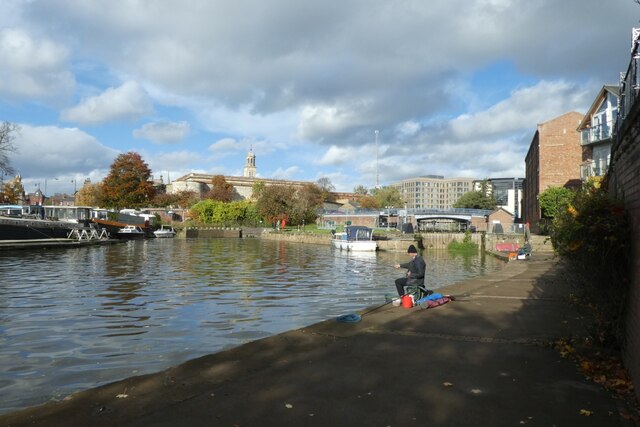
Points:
[(593, 235), (466, 246)]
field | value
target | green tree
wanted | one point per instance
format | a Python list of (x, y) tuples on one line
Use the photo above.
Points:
[(554, 200), (256, 189), (215, 212), (7, 136), (388, 196), (220, 189), (307, 201), (128, 184), (476, 200)]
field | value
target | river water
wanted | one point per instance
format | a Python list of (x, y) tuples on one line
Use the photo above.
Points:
[(72, 319)]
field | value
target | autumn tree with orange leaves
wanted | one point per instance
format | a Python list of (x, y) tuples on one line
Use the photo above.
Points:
[(128, 184), (221, 190)]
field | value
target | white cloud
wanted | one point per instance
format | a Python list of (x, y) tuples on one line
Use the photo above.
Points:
[(32, 68), (408, 128), (526, 107), (163, 132), (225, 145), (127, 102), (286, 173), (50, 152)]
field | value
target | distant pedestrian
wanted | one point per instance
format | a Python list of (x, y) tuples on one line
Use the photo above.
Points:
[(416, 269)]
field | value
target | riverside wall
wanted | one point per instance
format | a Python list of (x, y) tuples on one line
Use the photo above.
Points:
[(400, 244), (624, 183)]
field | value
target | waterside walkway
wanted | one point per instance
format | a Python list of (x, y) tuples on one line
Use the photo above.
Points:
[(476, 361)]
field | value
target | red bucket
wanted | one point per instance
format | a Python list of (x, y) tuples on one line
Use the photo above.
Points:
[(407, 301)]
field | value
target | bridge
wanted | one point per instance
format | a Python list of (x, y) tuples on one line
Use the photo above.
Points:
[(455, 214)]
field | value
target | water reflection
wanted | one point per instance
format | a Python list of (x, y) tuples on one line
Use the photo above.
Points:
[(73, 319)]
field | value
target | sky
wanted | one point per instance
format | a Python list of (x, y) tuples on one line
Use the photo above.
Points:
[(453, 88)]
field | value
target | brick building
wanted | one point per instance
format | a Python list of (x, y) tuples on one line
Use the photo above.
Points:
[(553, 160)]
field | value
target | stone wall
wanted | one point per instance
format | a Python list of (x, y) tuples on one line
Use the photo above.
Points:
[(212, 232), (624, 183)]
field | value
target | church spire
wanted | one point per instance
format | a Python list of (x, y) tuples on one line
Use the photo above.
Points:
[(250, 165)]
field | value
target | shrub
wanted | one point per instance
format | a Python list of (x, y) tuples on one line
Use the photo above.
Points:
[(593, 235), (466, 246)]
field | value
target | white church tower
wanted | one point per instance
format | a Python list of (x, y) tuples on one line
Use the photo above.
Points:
[(250, 165)]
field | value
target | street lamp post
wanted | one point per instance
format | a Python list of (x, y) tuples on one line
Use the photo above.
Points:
[(45, 186)]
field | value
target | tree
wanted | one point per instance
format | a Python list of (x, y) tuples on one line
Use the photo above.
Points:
[(388, 196), (13, 191), (215, 212), (476, 200), (369, 202), (128, 183), (7, 136), (276, 202), (554, 200), (181, 199), (307, 201), (361, 189), (327, 187), (256, 189), (89, 195), (221, 190)]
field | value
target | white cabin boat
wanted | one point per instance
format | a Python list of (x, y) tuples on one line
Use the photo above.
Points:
[(165, 231), (355, 238), (130, 232)]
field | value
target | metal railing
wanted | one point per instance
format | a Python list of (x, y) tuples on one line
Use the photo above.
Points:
[(592, 169), (596, 134), (629, 81)]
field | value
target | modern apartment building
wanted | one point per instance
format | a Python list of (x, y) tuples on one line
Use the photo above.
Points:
[(433, 191), (508, 193), (596, 132), (552, 161)]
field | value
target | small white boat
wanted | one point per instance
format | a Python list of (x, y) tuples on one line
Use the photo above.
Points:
[(130, 232), (165, 231), (355, 238)]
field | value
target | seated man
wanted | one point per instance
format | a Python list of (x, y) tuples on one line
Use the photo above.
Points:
[(413, 283)]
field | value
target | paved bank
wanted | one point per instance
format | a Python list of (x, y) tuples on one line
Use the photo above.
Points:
[(477, 361)]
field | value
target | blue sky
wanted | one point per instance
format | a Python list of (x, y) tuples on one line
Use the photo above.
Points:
[(455, 88)]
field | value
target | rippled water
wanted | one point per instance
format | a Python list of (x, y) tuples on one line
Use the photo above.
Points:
[(71, 319)]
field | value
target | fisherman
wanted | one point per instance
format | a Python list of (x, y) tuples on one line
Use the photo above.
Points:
[(415, 272)]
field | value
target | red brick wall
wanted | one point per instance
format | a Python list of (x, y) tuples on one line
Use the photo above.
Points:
[(553, 160), (624, 183)]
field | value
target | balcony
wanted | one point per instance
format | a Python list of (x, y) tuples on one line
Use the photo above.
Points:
[(591, 169), (595, 134)]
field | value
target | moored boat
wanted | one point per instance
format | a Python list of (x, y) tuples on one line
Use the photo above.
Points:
[(355, 238), (165, 231), (42, 222), (130, 232)]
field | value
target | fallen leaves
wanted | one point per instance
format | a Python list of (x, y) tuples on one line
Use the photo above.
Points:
[(606, 370)]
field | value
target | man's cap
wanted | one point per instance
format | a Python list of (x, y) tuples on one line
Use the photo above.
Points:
[(412, 250)]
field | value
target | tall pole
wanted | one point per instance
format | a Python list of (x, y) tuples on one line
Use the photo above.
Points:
[(377, 174)]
